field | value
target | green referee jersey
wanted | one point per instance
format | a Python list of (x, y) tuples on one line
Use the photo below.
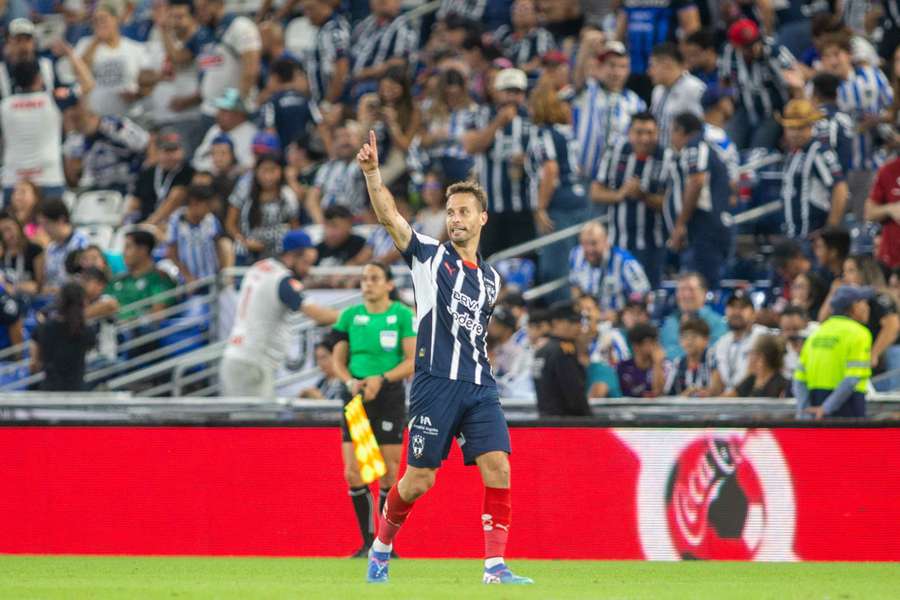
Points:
[(838, 349), (376, 339)]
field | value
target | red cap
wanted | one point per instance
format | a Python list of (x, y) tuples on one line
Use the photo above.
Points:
[(555, 58), (743, 32)]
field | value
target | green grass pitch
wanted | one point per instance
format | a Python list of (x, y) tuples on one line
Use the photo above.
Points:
[(44, 577)]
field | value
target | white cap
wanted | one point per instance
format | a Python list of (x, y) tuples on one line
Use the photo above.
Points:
[(614, 47), (511, 79), (21, 26)]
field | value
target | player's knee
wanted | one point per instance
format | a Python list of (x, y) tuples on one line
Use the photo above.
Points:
[(416, 482), (495, 469)]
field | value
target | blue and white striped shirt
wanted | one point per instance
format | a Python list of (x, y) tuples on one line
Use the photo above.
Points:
[(454, 303), (557, 143), (866, 93), (600, 117), (613, 281), (760, 85), (332, 44), (836, 129), (341, 182), (196, 244), (720, 142), (377, 41), (521, 49), (706, 220), (668, 102), (810, 175), (505, 181), (470, 9), (633, 225)]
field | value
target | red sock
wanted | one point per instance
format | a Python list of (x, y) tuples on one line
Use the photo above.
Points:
[(495, 519), (396, 509)]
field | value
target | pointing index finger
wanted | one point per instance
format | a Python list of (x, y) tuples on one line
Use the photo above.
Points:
[(372, 140)]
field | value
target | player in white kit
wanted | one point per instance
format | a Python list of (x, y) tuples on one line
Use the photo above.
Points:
[(270, 292)]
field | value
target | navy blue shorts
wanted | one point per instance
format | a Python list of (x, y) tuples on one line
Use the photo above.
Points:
[(441, 409)]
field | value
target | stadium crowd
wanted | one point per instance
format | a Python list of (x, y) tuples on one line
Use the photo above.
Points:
[(224, 126)]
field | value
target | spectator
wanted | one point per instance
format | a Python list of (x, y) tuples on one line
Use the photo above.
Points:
[(160, 189), (835, 128), (53, 218), (399, 114), (197, 242), (831, 248), (287, 112), (718, 108), (883, 321), (559, 371), (607, 347), (833, 373), (327, 65), (447, 114), (94, 256), (675, 90), (60, 343), (690, 297), (21, 48), (339, 245), (764, 366), (329, 386), (380, 245), (883, 205), (631, 182), (23, 260), (32, 115), (115, 61), (231, 120), (225, 170), (24, 203), (500, 138), (538, 328), (383, 40), (431, 219), (701, 56), (98, 303), (228, 55), (808, 292), (608, 273), (142, 280), (788, 261), (104, 153), (261, 210), (603, 112), (865, 94), (755, 67), (691, 374), (731, 353), (813, 197), (645, 25), (524, 42), (795, 327), (510, 360), (644, 374), (562, 199), (339, 182), (696, 196)]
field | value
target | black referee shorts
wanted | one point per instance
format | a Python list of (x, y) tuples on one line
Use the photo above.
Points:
[(387, 414)]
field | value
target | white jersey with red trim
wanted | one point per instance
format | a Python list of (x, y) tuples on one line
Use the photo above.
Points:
[(32, 126)]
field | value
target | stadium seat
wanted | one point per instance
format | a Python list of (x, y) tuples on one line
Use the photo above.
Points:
[(102, 207), (99, 235)]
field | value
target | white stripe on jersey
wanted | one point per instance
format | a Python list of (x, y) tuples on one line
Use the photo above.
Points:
[(481, 298), (457, 287), (433, 284)]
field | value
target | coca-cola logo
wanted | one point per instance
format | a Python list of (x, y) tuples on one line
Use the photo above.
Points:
[(722, 495)]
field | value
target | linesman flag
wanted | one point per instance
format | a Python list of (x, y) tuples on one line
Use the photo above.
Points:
[(368, 455)]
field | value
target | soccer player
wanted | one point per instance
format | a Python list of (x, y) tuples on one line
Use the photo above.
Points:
[(453, 391)]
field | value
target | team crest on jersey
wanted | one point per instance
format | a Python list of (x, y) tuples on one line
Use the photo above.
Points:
[(418, 445)]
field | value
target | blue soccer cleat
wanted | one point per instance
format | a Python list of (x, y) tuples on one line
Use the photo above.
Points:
[(501, 574), (378, 567)]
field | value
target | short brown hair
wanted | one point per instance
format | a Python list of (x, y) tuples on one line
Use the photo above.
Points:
[(694, 325), (771, 350), (469, 186), (839, 39)]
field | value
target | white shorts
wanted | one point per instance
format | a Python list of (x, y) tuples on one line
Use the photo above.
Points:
[(246, 379)]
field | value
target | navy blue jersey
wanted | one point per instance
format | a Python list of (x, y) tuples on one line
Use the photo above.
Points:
[(838, 131), (601, 117), (557, 143), (454, 302), (505, 180), (376, 41), (332, 44), (521, 49), (290, 114), (760, 85), (810, 175), (650, 23), (633, 225), (706, 221)]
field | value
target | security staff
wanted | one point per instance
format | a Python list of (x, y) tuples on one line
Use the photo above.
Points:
[(559, 367), (835, 363), (373, 355)]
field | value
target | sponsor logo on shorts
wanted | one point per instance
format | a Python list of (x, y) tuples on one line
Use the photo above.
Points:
[(423, 425), (418, 445)]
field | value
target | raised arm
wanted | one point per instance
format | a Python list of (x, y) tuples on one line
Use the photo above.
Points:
[(382, 200)]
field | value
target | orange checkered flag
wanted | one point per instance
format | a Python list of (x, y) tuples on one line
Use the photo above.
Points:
[(368, 455)]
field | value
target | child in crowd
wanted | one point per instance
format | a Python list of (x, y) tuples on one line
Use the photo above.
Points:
[(691, 374), (643, 375)]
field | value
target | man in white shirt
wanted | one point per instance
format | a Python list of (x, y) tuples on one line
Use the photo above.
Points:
[(732, 352), (270, 292), (231, 119), (21, 47), (231, 59), (676, 91), (511, 359)]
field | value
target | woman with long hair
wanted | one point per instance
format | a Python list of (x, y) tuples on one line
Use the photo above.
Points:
[(261, 210), (23, 260), (398, 111), (60, 343), (24, 203), (373, 354), (764, 378), (808, 291)]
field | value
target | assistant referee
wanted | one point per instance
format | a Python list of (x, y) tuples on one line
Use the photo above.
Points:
[(373, 355)]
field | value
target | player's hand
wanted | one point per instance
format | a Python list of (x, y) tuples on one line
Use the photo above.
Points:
[(372, 386), (368, 155), (817, 412)]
